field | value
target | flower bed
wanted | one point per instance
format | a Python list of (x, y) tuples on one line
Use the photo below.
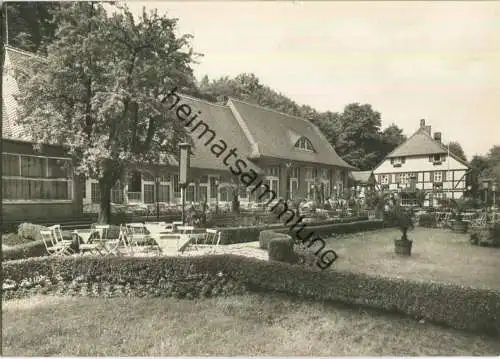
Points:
[(456, 306)]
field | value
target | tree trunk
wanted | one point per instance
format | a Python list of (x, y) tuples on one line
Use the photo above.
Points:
[(105, 186), (404, 237)]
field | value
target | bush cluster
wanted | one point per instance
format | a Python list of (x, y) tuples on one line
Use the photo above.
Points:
[(282, 250), (427, 220), (30, 231), (456, 306)]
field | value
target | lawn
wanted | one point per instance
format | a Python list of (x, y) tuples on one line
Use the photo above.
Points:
[(437, 255), (241, 325)]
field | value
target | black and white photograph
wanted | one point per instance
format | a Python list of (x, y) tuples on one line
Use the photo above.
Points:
[(250, 178)]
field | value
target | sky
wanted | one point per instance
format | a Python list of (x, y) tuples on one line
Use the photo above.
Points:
[(410, 60)]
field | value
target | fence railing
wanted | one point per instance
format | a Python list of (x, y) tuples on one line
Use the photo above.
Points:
[(134, 196)]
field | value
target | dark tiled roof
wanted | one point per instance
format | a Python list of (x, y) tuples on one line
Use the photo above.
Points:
[(420, 143), (276, 133), (220, 119), (361, 176)]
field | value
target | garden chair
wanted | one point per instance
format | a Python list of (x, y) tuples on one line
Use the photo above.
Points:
[(478, 222), (53, 245), (138, 235), (108, 245), (184, 238)]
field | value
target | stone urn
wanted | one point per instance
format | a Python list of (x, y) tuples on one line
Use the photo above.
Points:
[(459, 226), (403, 247)]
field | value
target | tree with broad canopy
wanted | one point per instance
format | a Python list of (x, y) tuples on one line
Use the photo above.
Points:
[(101, 90)]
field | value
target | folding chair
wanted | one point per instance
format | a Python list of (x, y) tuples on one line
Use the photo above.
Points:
[(138, 235), (53, 245), (185, 233)]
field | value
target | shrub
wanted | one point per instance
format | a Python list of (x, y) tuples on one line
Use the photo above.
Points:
[(232, 235), (305, 255), (281, 249), (30, 231), (25, 250), (456, 306), (427, 220), (267, 236)]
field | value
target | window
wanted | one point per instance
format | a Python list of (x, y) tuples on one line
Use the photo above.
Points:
[(146, 176), (242, 192), (438, 176), (309, 173), (293, 187), (397, 161), (294, 172), (165, 178), (304, 144), (437, 159), (33, 166), (177, 187), (384, 179), (203, 179), (149, 193), (213, 187), (164, 193), (405, 178), (95, 193), (398, 178), (272, 171), (190, 193), (323, 173), (10, 165), (202, 193), (58, 168), (32, 178), (224, 194)]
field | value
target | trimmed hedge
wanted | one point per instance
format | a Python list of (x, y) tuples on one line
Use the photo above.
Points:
[(456, 306), (268, 235), (243, 234), (338, 228), (427, 220), (25, 250), (282, 249), (252, 234)]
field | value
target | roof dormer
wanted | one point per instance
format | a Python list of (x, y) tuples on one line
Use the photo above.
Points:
[(303, 143)]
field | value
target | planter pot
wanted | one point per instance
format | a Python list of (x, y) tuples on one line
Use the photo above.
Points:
[(403, 247), (459, 226)]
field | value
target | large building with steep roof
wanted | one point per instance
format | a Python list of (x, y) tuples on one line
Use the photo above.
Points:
[(288, 153), (423, 162)]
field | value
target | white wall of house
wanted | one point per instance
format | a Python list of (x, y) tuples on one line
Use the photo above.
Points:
[(445, 178)]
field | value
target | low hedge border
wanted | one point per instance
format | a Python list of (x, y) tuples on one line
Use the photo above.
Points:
[(251, 234), (456, 306), (25, 250)]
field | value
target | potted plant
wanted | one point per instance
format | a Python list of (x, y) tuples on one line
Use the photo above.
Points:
[(403, 220), (458, 225)]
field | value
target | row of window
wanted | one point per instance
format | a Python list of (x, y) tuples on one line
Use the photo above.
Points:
[(35, 167), (409, 177), (436, 159), (29, 178)]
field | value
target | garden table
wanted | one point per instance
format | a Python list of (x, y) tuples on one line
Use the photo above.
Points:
[(84, 234)]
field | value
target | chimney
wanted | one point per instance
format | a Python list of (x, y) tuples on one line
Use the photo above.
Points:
[(425, 128), (437, 136)]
